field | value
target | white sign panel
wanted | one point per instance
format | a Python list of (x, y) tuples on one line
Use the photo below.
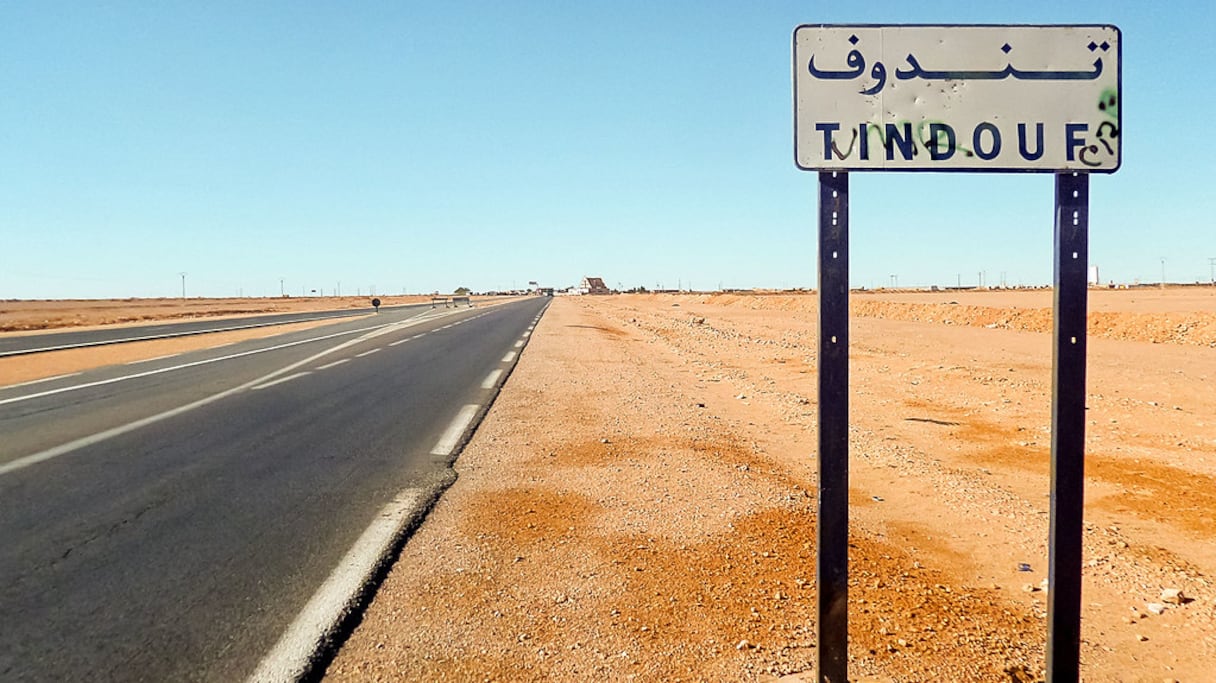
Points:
[(957, 98)]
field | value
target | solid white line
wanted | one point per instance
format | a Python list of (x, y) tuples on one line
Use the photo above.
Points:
[(334, 364), (40, 381), (447, 442), (510, 356), (149, 360), (519, 344), (280, 381), (291, 656), (367, 353), (491, 379)]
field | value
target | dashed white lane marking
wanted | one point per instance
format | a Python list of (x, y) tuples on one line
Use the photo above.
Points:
[(149, 360), (447, 442), (509, 357), (418, 336), (280, 381), (334, 364), (290, 657), (86, 441), (402, 341), (40, 381), (527, 333), (519, 344), (491, 379), (367, 353)]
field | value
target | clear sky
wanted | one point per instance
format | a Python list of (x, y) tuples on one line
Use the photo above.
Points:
[(430, 145)]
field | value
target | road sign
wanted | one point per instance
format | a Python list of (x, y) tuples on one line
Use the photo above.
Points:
[(957, 98)]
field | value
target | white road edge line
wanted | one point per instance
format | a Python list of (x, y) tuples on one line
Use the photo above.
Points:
[(491, 379), (279, 381), (289, 659), (334, 364), (451, 437), (510, 356), (367, 353)]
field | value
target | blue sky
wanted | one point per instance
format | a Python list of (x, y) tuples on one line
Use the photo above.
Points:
[(424, 146)]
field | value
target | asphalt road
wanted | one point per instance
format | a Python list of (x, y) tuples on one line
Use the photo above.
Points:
[(74, 339), (169, 520)]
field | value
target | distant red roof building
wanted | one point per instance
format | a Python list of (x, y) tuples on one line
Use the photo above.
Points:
[(593, 285)]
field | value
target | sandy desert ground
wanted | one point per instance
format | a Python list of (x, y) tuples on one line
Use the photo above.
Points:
[(639, 502)]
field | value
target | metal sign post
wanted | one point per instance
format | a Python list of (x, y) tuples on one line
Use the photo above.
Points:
[(956, 98), (1068, 427), (832, 559)]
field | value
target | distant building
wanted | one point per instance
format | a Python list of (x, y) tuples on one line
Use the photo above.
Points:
[(593, 285)]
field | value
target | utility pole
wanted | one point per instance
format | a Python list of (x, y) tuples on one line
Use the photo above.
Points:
[(183, 284), (1162, 272), (1212, 268), (282, 292)]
